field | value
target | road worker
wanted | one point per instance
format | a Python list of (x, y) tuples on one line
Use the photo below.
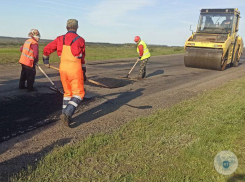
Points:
[(28, 59), (71, 50), (144, 56), (227, 22), (209, 22)]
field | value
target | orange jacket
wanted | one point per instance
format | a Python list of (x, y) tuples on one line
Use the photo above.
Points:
[(27, 55)]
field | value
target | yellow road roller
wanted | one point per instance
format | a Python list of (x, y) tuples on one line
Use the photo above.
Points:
[(215, 44)]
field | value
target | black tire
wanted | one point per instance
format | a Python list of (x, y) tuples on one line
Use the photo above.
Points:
[(236, 60)]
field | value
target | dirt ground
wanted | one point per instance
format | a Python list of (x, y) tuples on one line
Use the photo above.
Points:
[(29, 121)]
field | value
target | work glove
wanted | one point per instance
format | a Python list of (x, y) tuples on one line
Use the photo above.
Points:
[(46, 61), (35, 62), (84, 74)]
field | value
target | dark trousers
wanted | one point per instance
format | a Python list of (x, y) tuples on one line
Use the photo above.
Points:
[(142, 72), (27, 74)]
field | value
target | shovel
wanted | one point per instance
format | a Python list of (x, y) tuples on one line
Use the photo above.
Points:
[(54, 88), (126, 77), (132, 68)]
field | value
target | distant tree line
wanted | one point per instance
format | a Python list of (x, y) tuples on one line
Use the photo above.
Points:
[(12, 41)]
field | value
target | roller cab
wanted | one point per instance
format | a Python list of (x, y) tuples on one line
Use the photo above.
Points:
[(215, 44)]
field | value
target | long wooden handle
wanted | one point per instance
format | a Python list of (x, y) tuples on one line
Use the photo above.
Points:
[(89, 80), (133, 67), (45, 74), (54, 67), (97, 83)]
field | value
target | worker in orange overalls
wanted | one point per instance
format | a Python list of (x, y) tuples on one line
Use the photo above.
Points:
[(71, 50), (144, 56), (28, 59)]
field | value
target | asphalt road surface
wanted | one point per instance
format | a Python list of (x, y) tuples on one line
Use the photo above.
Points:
[(29, 121)]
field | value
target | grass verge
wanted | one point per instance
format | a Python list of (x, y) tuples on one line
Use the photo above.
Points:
[(11, 54), (175, 144)]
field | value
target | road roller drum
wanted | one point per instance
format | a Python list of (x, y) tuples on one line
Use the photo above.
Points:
[(203, 58)]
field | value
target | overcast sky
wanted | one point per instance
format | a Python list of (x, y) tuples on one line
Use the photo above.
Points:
[(114, 21)]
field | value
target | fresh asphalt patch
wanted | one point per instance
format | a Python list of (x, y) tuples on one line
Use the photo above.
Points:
[(22, 113)]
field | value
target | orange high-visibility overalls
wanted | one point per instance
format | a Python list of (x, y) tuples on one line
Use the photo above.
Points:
[(71, 75)]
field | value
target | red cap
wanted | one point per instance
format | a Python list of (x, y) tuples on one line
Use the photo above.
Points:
[(137, 38)]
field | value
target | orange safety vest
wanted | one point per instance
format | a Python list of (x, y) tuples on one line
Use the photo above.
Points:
[(27, 55)]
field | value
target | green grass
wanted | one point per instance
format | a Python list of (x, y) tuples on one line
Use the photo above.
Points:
[(175, 144), (11, 54)]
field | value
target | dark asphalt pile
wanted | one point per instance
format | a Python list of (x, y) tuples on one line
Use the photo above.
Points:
[(111, 82), (23, 113)]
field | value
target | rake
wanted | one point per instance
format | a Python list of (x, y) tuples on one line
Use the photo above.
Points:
[(53, 87)]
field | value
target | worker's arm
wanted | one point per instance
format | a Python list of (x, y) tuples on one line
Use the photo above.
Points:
[(34, 47), (81, 49), (83, 63), (21, 48), (48, 49), (83, 56), (141, 51)]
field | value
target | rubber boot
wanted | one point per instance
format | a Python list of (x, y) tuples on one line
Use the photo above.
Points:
[(65, 103), (66, 116)]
